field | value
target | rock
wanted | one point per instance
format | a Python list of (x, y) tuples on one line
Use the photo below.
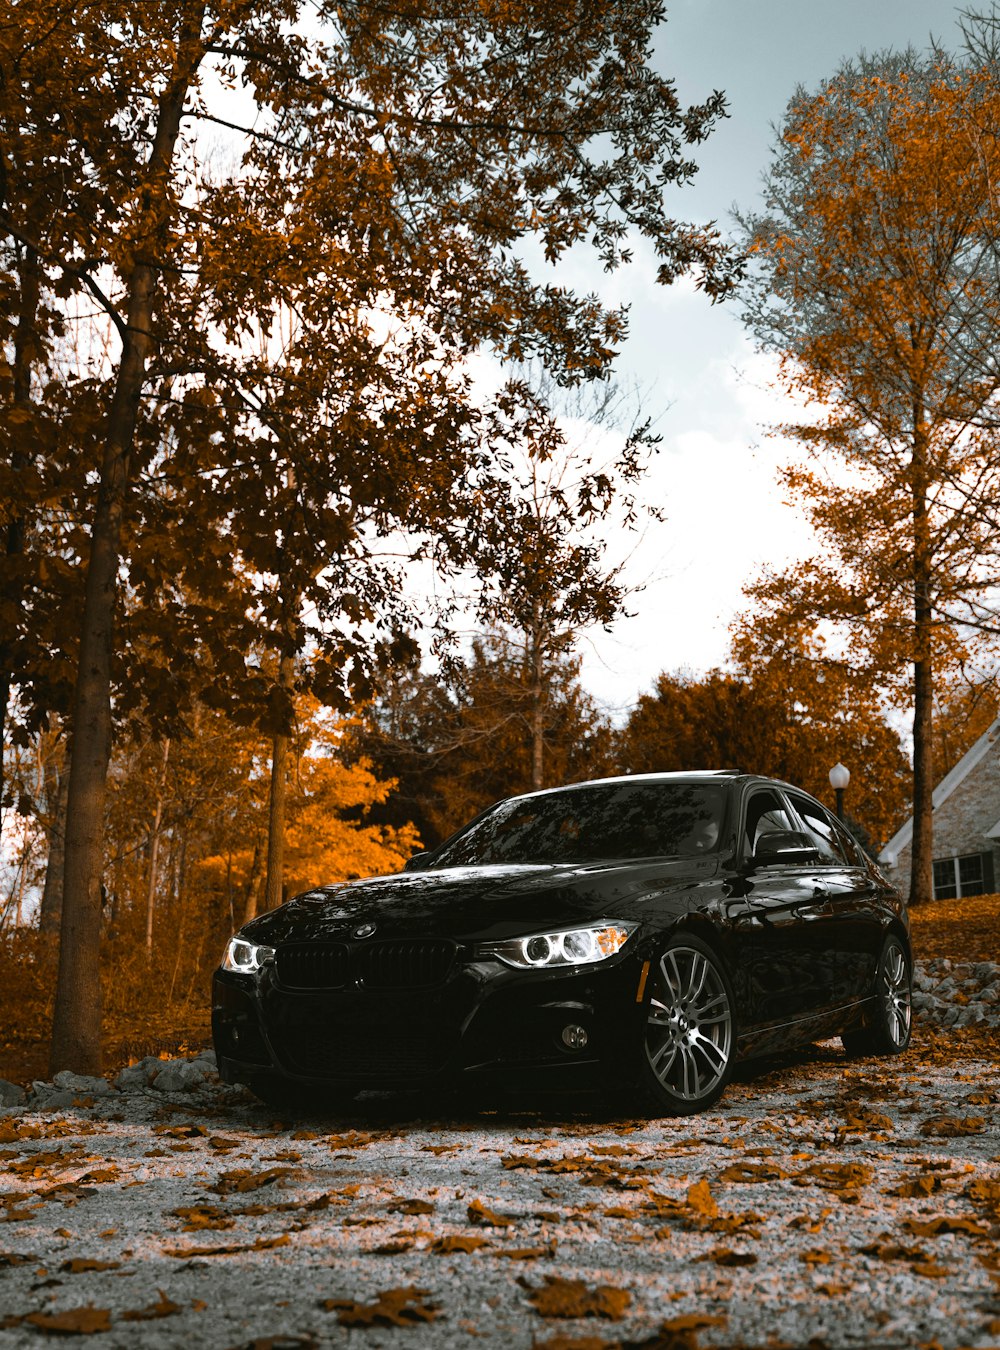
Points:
[(49, 1097), (183, 1075), (986, 971), (946, 988), (82, 1084), (134, 1077), (11, 1094)]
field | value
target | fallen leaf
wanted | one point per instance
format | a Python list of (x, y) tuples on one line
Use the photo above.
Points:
[(834, 1176), (952, 1127), (725, 1256), (73, 1322), (403, 1206), (752, 1173), (79, 1265), (393, 1308), (478, 1213), (524, 1253), (916, 1189), (242, 1180), (199, 1217), (163, 1307), (353, 1139), (572, 1298), (700, 1200), (944, 1223), (458, 1242), (262, 1244), (931, 1270)]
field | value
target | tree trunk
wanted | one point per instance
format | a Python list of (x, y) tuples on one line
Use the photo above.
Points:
[(252, 892), (57, 796), (537, 659), (274, 885), (25, 351), (76, 1026), (922, 847), (154, 849)]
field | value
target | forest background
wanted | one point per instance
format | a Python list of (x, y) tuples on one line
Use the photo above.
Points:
[(240, 415)]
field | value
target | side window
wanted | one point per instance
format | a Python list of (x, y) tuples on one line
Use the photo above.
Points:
[(765, 812), (823, 828)]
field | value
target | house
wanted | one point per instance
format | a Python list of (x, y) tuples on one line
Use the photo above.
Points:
[(966, 826)]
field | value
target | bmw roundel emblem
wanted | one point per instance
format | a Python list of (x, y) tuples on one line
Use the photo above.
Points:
[(364, 930)]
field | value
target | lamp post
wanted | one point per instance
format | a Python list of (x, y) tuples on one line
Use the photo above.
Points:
[(839, 779)]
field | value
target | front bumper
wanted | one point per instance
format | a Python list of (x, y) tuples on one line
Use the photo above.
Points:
[(485, 1018)]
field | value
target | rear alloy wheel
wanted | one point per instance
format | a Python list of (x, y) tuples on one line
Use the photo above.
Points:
[(888, 1026), (689, 1036)]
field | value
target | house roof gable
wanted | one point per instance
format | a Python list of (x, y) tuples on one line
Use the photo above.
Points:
[(973, 756)]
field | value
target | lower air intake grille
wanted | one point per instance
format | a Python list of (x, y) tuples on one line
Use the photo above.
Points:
[(358, 1052)]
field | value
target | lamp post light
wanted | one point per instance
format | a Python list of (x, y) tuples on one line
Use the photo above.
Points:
[(840, 776)]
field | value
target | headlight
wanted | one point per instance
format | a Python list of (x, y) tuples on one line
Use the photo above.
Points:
[(245, 957), (571, 947)]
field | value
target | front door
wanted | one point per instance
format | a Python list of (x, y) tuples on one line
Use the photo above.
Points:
[(790, 977)]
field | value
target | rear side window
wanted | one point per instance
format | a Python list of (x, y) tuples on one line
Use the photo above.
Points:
[(832, 840)]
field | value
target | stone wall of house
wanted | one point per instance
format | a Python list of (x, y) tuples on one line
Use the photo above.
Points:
[(961, 821)]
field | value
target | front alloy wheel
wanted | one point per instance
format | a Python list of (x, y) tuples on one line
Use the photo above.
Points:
[(689, 1034), (888, 1030)]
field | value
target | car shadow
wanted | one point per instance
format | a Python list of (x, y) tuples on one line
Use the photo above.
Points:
[(522, 1105)]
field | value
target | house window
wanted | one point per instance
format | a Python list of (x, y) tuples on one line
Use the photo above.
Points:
[(971, 875)]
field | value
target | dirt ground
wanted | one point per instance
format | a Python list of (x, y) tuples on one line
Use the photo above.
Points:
[(823, 1203)]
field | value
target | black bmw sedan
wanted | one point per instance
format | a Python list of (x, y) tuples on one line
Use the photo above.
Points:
[(647, 931)]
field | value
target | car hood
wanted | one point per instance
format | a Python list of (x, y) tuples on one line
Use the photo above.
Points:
[(480, 903)]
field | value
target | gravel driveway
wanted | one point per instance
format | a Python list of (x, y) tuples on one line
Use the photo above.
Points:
[(823, 1203)]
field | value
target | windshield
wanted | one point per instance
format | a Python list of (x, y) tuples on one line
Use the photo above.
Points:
[(588, 824)]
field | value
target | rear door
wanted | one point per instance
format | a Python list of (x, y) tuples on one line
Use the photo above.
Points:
[(850, 921)]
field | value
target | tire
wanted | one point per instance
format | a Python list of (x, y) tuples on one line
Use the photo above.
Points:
[(689, 1034), (888, 1026)]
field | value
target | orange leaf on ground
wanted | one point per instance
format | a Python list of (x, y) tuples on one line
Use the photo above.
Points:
[(392, 1308), (241, 1179), (953, 1127), (944, 1223), (458, 1242), (73, 1322), (79, 1265), (572, 1298), (478, 1213), (752, 1173), (163, 1307), (403, 1206), (701, 1201), (229, 1249), (725, 1256)]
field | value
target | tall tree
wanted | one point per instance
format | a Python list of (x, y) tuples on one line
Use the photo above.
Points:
[(876, 286), (787, 709), (538, 548), (394, 160), (457, 740)]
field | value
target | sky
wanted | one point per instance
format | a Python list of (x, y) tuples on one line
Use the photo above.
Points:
[(716, 472)]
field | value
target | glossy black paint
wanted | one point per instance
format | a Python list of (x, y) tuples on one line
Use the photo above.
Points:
[(799, 941)]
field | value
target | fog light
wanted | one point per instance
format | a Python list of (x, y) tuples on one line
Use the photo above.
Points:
[(574, 1037)]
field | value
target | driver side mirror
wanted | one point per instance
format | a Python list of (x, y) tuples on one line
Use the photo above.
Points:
[(784, 846), (418, 862)]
